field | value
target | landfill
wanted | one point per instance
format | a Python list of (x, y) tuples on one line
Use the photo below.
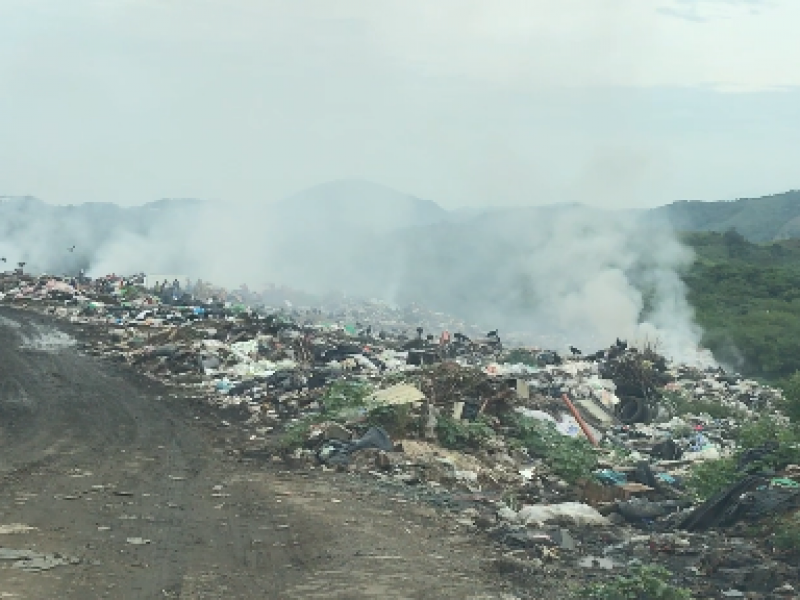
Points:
[(569, 463)]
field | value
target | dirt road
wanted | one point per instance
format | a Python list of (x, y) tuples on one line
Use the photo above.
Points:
[(133, 494)]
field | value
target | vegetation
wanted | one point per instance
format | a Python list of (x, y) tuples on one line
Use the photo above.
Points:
[(521, 356), (787, 534), (642, 583), (341, 400), (453, 433), (682, 404), (747, 299), (568, 457), (708, 478), (791, 394)]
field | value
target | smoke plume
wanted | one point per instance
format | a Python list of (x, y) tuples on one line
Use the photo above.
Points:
[(549, 276)]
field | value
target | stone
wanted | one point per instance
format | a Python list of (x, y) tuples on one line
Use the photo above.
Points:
[(564, 539), (334, 431)]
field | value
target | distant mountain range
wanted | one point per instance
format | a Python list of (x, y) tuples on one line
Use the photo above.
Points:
[(766, 219), (352, 204), (346, 203), (493, 264)]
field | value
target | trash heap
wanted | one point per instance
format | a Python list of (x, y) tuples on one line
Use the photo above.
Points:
[(587, 463)]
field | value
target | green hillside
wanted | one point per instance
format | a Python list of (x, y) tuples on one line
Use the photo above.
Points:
[(764, 219), (747, 299)]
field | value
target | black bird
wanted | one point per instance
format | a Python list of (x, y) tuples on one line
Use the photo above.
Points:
[(574, 350), (72, 249), (3, 259)]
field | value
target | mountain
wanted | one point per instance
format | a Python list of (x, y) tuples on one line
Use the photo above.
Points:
[(765, 219), (343, 233), (354, 204)]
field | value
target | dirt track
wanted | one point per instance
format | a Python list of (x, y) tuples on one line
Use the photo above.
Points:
[(94, 457)]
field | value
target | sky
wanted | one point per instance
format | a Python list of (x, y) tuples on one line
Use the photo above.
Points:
[(612, 103)]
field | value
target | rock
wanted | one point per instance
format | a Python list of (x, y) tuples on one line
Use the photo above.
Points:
[(137, 541), (506, 514), (574, 512), (470, 513), (502, 458), (383, 461), (485, 521), (564, 539), (334, 431), (616, 519), (509, 564), (594, 562)]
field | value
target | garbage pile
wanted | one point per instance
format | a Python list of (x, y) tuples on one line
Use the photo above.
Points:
[(589, 461)]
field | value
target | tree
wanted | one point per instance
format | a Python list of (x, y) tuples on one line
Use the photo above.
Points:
[(735, 242), (791, 397)]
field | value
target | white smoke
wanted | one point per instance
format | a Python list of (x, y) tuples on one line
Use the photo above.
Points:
[(554, 276)]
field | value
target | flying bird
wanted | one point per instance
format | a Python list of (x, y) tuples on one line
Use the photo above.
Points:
[(3, 259), (72, 249), (574, 350)]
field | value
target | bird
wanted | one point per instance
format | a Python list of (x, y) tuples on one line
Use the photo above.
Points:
[(574, 350), (71, 249), (3, 259)]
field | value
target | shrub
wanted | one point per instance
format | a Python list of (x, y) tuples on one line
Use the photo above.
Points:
[(787, 535), (338, 403), (707, 478), (568, 457), (791, 397), (681, 404), (453, 433), (643, 583)]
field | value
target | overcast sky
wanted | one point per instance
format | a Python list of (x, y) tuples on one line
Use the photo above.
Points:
[(466, 102)]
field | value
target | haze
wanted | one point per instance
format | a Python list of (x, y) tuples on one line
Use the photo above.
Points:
[(612, 103)]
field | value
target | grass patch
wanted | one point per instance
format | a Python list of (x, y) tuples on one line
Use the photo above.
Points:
[(456, 434), (708, 478), (568, 457), (521, 356), (787, 535), (681, 404), (341, 401), (397, 420), (649, 582)]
